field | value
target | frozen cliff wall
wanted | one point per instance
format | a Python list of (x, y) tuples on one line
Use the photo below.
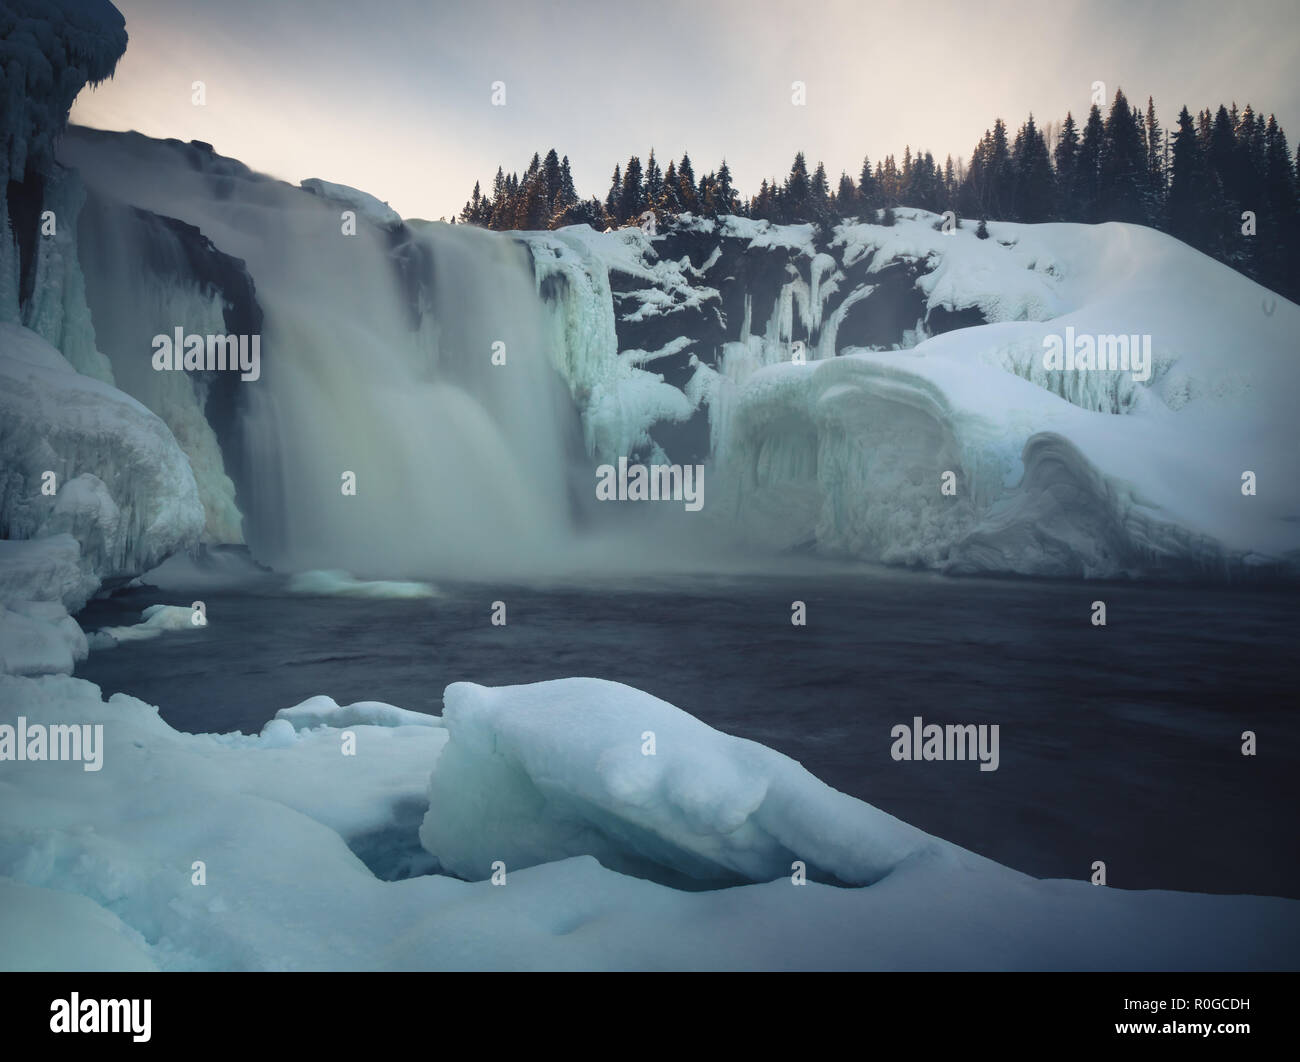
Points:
[(880, 392), (49, 50), (93, 487)]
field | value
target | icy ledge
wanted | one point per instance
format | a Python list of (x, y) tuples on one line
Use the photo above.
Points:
[(97, 869)]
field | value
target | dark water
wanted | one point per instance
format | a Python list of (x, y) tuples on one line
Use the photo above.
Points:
[(1120, 744)]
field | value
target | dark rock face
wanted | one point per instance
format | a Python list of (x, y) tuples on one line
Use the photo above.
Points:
[(719, 278)]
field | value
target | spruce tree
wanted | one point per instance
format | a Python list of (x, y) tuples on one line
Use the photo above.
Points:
[(1157, 180), (654, 181), (795, 200), (670, 201), (1123, 169), (631, 203), (567, 195), (686, 193), (868, 190), (1033, 191), (615, 197), (724, 191), (846, 197), (1188, 206), (551, 176), (1087, 173)]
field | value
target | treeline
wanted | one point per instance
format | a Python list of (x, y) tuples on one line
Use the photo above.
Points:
[(1195, 181)]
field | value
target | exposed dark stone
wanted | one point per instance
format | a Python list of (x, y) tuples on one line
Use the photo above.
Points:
[(943, 320), (25, 201)]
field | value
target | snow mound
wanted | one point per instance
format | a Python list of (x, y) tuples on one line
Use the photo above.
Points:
[(45, 569), (531, 774), (39, 638), (157, 619), (324, 711)]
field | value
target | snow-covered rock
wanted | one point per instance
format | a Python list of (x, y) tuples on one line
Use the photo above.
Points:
[(155, 620)]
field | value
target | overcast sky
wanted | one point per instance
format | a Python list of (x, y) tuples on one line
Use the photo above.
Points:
[(395, 96)]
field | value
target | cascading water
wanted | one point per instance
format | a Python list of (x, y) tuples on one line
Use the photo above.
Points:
[(413, 358)]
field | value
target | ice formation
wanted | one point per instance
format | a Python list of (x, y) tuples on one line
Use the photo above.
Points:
[(140, 502)]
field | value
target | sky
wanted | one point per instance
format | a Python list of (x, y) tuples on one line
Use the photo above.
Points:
[(395, 96)]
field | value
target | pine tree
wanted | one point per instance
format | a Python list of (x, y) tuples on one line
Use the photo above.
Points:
[(550, 188), (1157, 179), (1123, 180), (1188, 206), (819, 191), (1033, 192), (472, 209), (846, 197), (615, 197), (568, 195), (1087, 171), (1279, 231), (724, 192), (670, 201), (686, 193), (654, 181), (868, 190), (631, 204), (795, 200)]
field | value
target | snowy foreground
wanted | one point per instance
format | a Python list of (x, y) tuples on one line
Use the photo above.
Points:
[(549, 781)]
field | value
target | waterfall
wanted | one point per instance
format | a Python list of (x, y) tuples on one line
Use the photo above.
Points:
[(412, 357)]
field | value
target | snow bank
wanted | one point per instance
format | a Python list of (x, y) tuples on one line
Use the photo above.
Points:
[(39, 638), (324, 711), (157, 619), (45, 569), (589, 767)]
